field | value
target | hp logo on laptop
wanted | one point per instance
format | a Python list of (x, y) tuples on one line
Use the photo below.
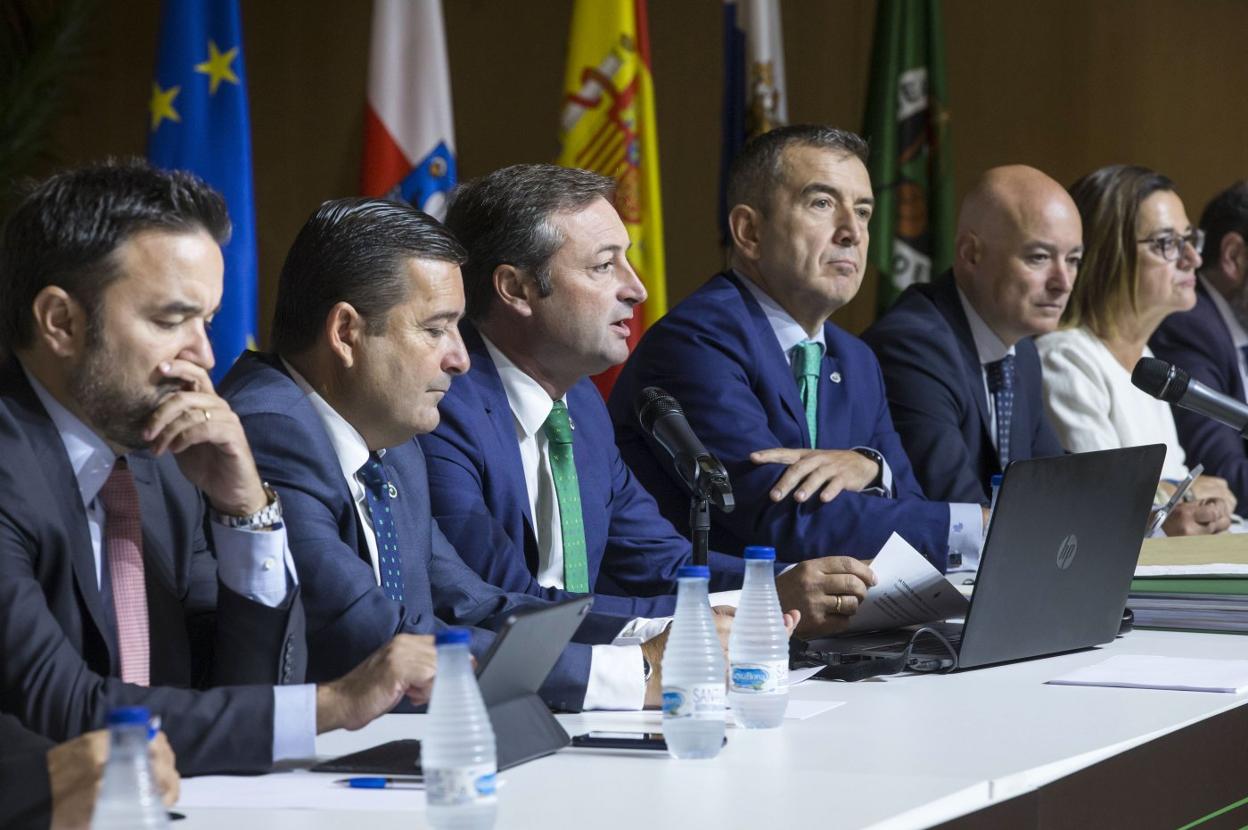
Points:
[(1066, 551)]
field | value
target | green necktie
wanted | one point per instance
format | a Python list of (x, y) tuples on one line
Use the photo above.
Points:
[(807, 356), (558, 429)]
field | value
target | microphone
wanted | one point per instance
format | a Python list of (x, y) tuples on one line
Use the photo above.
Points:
[(662, 418), (1173, 385)]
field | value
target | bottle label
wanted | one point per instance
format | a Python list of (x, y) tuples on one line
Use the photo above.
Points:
[(699, 701), (763, 677), (474, 784)]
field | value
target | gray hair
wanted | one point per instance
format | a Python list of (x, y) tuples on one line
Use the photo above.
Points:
[(757, 170)]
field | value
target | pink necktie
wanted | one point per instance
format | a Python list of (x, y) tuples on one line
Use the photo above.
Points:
[(123, 542)]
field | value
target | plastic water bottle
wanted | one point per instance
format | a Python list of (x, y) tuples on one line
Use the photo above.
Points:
[(693, 672), (128, 795), (758, 650), (458, 755)]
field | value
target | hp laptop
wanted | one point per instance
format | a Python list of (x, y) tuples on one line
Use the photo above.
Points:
[(1054, 572)]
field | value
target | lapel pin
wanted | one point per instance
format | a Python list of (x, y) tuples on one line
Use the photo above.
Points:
[(391, 490), (835, 377)]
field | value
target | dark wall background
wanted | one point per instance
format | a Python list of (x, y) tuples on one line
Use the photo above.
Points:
[(1065, 85)]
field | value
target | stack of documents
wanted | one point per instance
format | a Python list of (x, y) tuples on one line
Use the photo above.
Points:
[(1195, 583)]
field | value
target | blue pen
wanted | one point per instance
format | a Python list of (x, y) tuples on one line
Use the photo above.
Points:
[(382, 783)]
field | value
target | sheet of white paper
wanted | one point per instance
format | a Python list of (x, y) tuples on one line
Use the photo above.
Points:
[(292, 790), (1183, 674), (802, 675), (1226, 569), (908, 590), (803, 709)]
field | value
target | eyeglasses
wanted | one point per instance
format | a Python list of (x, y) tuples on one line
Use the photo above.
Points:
[(1170, 246)]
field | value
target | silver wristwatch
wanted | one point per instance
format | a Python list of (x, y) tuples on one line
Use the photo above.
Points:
[(268, 517)]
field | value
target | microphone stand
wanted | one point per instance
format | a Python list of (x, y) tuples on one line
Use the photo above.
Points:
[(709, 484)]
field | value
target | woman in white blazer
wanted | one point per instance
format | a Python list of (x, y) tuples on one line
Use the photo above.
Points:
[(1139, 266)]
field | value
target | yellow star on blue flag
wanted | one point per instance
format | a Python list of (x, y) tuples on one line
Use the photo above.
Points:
[(208, 132)]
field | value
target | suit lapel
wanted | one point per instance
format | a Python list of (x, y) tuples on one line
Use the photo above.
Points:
[(506, 450), (946, 299), (834, 418), (49, 450), (158, 538), (773, 363)]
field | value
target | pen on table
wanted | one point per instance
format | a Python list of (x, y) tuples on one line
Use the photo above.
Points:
[(381, 783)]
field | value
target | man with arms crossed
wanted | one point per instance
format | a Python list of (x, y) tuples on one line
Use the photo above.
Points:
[(791, 404)]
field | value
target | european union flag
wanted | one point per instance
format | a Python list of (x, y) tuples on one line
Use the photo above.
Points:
[(199, 122)]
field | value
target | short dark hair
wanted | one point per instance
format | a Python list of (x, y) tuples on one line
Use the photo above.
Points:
[(504, 219), (1109, 202), (353, 251), (758, 168), (67, 227), (1226, 213)]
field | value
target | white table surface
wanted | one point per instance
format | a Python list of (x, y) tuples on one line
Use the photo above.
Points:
[(903, 752)]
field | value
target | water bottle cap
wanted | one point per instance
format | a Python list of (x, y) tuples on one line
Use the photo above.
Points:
[(129, 716), (452, 637), (693, 572), (760, 552), (997, 478)]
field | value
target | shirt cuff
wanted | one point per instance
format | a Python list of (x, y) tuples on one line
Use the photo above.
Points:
[(255, 564), (616, 680), (294, 722), (640, 629), (966, 537)]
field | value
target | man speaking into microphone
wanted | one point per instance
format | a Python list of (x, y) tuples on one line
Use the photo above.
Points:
[(524, 474)]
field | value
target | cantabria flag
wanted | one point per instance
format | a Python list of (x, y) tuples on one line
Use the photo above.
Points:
[(409, 135), (607, 125)]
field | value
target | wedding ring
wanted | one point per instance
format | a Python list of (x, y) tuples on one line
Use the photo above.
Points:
[(838, 604), (207, 415)]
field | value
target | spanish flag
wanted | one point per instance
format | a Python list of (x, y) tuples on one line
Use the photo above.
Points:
[(607, 125)]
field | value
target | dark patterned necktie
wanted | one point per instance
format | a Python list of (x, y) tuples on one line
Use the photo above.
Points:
[(1001, 384), (379, 492)]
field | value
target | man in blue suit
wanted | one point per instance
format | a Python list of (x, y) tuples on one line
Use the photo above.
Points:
[(366, 345), (527, 481), (953, 350), (1211, 340), (791, 404), (142, 559)]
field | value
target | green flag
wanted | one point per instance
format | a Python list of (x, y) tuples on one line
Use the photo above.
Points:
[(907, 123)]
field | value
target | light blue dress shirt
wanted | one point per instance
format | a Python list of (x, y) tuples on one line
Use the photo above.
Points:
[(247, 564)]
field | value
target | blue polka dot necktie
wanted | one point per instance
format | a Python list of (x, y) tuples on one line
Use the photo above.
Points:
[(1001, 384), (807, 357), (558, 429), (379, 492)]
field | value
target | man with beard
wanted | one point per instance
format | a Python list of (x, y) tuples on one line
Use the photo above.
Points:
[(141, 555), (1211, 340)]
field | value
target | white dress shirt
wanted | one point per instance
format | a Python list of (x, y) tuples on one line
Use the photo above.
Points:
[(247, 564), (615, 675), (352, 452), (966, 521), (1094, 406), (1238, 336)]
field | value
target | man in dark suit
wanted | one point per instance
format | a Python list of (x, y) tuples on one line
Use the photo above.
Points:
[(366, 345), (142, 559), (1211, 340), (792, 405), (55, 785), (526, 479), (954, 350)]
